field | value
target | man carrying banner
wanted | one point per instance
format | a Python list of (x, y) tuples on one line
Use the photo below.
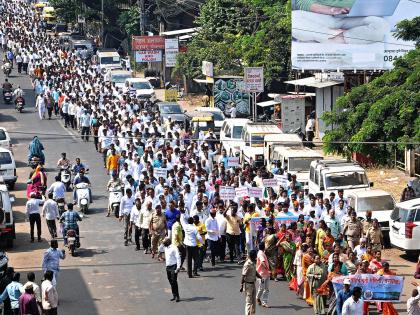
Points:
[(386, 307), (354, 304)]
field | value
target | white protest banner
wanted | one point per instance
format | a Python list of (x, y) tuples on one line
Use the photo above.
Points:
[(282, 180), (241, 192), (227, 193), (233, 161), (270, 182), (255, 192), (160, 172)]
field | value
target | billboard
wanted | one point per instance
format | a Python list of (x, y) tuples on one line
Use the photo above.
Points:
[(229, 92), (348, 34), (171, 51), (148, 55), (147, 42), (254, 79)]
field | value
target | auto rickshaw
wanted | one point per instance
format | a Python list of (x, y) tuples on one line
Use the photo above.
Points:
[(201, 122)]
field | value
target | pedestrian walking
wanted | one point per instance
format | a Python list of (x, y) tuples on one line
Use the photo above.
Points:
[(173, 265), (51, 214), (157, 229), (27, 301), (135, 221), (343, 295), (85, 124), (34, 216), (126, 204), (263, 269), (354, 304), (190, 241), (13, 292), (249, 276), (49, 294), (35, 287), (51, 260)]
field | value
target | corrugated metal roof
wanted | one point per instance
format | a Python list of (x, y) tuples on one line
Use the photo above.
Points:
[(311, 81)]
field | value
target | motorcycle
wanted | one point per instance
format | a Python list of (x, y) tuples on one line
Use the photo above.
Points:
[(7, 71), (83, 199), (19, 105), (65, 176), (61, 206), (7, 96), (72, 243), (115, 195)]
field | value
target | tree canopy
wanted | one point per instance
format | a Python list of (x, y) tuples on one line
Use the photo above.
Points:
[(386, 109), (238, 33)]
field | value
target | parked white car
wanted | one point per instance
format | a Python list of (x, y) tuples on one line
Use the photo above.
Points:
[(7, 168), (230, 134), (5, 141), (405, 226), (144, 90), (118, 77), (380, 202)]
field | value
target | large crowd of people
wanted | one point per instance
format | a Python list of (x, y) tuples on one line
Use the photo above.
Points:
[(180, 214)]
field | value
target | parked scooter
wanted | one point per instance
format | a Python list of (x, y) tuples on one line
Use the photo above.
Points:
[(8, 96), (83, 198), (115, 195)]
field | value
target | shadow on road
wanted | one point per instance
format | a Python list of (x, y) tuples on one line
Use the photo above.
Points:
[(198, 299), (7, 118)]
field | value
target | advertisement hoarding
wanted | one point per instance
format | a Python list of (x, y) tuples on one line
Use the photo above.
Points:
[(351, 34), (147, 42), (171, 51), (148, 55), (229, 92), (254, 79)]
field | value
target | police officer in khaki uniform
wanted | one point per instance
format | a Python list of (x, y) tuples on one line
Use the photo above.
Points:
[(368, 222), (353, 231), (374, 236), (249, 276)]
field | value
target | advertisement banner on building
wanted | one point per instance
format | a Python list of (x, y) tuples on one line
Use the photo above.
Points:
[(348, 34), (228, 93), (148, 55), (147, 42), (207, 68), (375, 288), (254, 79), (171, 51)]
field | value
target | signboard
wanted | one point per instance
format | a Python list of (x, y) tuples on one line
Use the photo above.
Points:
[(350, 35), (241, 192), (229, 92), (270, 182), (147, 42), (233, 161), (227, 193), (282, 180), (160, 172), (254, 79), (81, 19), (171, 51), (207, 68), (375, 288), (171, 95), (255, 192), (148, 55)]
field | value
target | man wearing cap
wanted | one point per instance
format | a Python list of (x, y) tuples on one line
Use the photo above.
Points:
[(343, 295), (34, 216), (408, 192)]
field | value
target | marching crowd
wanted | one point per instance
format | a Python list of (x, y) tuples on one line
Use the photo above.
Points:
[(172, 208)]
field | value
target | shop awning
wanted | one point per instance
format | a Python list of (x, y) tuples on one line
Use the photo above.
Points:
[(268, 103), (311, 81)]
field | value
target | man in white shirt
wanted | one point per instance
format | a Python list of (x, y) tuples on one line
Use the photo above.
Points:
[(126, 204), (58, 189), (50, 212), (32, 210), (212, 228), (134, 220), (413, 307), (354, 305), (49, 294), (173, 265), (190, 241)]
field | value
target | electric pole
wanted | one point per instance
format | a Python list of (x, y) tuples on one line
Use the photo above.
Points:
[(142, 17)]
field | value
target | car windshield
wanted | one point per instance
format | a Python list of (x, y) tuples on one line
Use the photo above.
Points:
[(5, 158), (142, 85), (299, 164), (2, 135), (237, 131), (375, 203), (120, 78), (110, 60), (345, 179), (170, 109), (403, 215)]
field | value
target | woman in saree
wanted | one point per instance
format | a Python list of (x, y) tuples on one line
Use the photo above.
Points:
[(320, 235), (288, 249), (270, 241), (310, 234), (317, 275), (307, 260), (387, 308), (297, 262), (35, 149), (37, 181), (351, 262), (328, 242)]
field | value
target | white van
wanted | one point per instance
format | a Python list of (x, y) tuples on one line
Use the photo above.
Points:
[(380, 202), (281, 139), (108, 60), (294, 160), (405, 226), (230, 134), (326, 176), (119, 77), (7, 168)]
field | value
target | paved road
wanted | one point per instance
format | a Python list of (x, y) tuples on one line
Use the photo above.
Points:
[(107, 277)]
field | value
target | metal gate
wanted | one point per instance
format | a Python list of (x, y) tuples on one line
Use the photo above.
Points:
[(399, 158)]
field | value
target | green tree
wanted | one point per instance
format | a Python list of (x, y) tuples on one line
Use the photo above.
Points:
[(386, 109)]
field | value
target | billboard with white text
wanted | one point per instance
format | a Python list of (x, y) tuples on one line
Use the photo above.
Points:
[(348, 34)]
